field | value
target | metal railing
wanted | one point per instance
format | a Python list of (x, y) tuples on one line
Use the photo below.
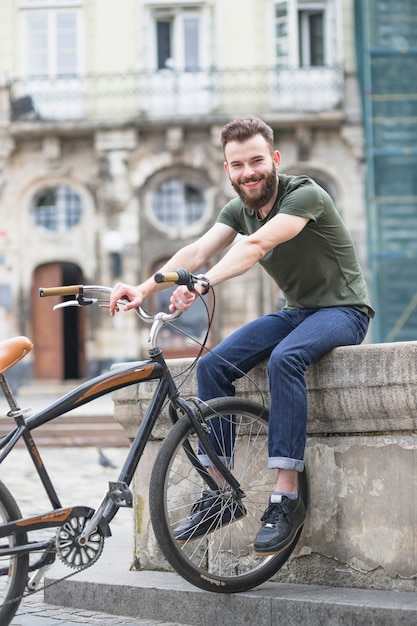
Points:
[(168, 94)]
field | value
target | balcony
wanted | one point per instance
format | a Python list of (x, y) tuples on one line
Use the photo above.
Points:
[(167, 95)]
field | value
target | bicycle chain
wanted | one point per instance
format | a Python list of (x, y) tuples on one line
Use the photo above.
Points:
[(51, 584), (46, 586)]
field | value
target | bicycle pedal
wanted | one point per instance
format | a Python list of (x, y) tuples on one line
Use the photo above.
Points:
[(120, 494)]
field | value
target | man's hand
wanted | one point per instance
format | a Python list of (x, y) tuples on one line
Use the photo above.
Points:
[(133, 296), (182, 299)]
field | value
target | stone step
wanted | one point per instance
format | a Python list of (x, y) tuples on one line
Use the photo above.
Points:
[(155, 595), (75, 430), (113, 587), (91, 424)]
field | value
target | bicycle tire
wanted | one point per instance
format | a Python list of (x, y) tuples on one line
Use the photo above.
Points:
[(222, 561), (13, 569)]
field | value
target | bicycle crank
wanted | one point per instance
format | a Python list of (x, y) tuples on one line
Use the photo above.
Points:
[(71, 551)]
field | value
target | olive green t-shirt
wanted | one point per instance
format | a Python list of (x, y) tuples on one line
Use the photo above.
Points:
[(317, 268)]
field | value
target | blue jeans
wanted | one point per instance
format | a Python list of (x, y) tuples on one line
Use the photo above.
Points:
[(292, 340)]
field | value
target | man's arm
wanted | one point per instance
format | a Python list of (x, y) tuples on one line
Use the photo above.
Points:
[(241, 257), (192, 257)]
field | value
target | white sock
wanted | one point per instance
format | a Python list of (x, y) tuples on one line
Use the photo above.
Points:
[(276, 496)]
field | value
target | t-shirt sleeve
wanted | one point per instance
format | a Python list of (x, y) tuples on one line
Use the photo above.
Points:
[(305, 200), (229, 215)]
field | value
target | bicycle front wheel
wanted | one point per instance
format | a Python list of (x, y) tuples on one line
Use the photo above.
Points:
[(221, 558), (13, 569)]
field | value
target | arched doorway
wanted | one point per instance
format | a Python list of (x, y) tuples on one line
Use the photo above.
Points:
[(58, 336)]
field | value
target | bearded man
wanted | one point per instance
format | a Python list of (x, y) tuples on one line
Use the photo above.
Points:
[(292, 228)]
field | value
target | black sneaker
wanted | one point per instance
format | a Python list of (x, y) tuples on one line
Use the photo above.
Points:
[(208, 514), (280, 524)]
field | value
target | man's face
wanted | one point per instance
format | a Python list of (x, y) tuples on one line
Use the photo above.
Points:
[(252, 171)]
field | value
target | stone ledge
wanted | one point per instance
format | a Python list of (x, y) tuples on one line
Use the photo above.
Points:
[(361, 460), (367, 388), (354, 389)]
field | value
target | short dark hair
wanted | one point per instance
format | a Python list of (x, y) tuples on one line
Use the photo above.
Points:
[(244, 128)]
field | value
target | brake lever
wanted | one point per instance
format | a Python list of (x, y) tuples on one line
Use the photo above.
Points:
[(80, 301)]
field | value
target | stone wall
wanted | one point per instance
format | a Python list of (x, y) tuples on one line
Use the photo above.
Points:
[(361, 461)]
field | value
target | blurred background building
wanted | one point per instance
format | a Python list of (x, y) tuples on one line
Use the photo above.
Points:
[(386, 40), (110, 159)]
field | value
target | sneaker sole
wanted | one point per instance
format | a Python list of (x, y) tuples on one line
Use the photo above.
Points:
[(271, 551), (209, 531)]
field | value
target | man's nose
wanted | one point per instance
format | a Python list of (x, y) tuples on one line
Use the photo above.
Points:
[(248, 170)]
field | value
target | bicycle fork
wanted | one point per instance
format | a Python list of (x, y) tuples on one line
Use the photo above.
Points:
[(202, 431)]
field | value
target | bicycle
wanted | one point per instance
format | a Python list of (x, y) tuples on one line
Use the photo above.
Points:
[(221, 560)]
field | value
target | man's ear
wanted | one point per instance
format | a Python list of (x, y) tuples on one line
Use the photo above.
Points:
[(276, 158), (226, 167)]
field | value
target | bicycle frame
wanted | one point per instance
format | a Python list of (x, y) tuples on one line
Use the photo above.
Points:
[(118, 495), (133, 373)]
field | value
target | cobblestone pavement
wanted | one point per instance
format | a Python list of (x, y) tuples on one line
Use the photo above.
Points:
[(79, 479)]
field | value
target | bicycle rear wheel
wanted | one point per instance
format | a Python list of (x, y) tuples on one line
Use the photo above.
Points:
[(13, 569), (221, 560)]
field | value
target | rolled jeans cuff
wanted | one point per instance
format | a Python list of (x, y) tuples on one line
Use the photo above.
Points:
[(281, 462), (205, 461)]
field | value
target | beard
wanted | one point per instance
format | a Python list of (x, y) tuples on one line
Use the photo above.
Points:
[(266, 193)]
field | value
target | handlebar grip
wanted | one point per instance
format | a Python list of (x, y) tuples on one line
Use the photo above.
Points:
[(180, 276), (69, 290), (169, 277)]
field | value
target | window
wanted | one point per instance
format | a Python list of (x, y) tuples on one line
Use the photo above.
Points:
[(163, 43), (307, 55), (178, 39), (52, 43), (178, 204), (311, 34), (303, 33), (191, 43), (57, 208), (177, 45), (52, 59), (281, 33)]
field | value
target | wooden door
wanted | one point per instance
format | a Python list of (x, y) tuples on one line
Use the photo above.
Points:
[(48, 338), (58, 336)]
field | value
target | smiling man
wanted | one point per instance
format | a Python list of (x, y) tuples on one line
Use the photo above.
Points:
[(294, 231)]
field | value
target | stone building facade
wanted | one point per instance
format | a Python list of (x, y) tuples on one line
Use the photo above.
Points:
[(112, 163)]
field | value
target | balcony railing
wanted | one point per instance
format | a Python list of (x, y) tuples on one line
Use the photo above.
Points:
[(170, 94)]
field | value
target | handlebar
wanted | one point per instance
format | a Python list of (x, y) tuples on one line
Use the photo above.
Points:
[(85, 295), (183, 277), (69, 290), (179, 276)]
